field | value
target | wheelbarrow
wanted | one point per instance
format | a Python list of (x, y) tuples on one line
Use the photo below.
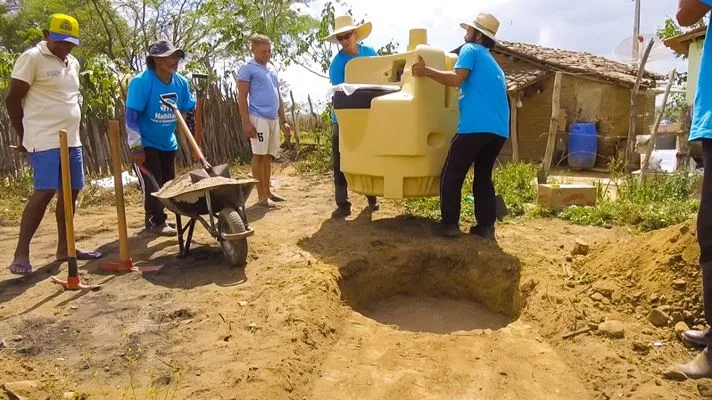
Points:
[(218, 203)]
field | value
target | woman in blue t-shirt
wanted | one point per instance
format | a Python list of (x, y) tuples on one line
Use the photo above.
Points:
[(349, 36), (482, 130)]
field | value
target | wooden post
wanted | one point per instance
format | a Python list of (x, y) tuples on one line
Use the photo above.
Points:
[(654, 134), (513, 134), (632, 126), (682, 145), (295, 129), (553, 125)]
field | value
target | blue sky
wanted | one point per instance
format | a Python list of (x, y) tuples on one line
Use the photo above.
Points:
[(595, 26)]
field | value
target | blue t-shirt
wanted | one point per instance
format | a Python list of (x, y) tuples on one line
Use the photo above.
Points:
[(483, 95), (263, 97), (156, 121), (337, 69), (701, 127)]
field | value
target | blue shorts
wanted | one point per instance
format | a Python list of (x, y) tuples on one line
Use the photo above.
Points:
[(46, 169)]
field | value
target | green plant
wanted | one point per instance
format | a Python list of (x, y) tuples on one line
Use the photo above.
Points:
[(515, 182), (315, 153), (654, 203)]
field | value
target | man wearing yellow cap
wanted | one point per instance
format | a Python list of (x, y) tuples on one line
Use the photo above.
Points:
[(42, 100)]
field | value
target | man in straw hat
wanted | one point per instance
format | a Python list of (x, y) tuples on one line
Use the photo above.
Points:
[(482, 130), (349, 36), (43, 98), (151, 127), (690, 12)]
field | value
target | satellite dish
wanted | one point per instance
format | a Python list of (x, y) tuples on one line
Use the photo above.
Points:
[(624, 49)]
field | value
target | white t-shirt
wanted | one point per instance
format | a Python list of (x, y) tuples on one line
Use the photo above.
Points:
[(52, 103)]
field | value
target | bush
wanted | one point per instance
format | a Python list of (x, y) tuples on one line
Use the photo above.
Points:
[(515, 182), (654, 203), (315, 153)]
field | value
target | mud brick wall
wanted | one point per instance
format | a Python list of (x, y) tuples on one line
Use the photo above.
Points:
[(584, 100)]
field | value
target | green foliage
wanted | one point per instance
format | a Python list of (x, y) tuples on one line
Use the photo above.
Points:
[(515, 182), (654, 203), (99, 87), (315, 155), (7, 60)]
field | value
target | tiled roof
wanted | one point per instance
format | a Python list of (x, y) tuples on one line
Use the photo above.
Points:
[(519, 73), (571, 62)]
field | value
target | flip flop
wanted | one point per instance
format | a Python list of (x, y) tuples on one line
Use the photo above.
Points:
[(84, 255), (20, 268), (276, 197), (269, 204), (88, 255)]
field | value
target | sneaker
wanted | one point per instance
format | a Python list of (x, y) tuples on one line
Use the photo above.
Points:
[(341, 212), (161, 230), (485, 232), (448, 230)]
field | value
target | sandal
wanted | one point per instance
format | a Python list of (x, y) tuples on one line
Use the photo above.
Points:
[(276, 197), (84, 255), (267, 204), (19, 268)]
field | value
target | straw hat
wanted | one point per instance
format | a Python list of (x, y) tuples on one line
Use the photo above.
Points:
[(345, 23), (485, 23)]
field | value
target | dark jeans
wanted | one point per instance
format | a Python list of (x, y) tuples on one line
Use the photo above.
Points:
[(704, 232), (480, 149), (340, 186), (161, 164)]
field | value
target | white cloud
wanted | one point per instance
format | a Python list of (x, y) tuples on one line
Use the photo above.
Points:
[(593, 26)]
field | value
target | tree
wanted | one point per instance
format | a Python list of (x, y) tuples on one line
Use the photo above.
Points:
[(22, 22), (677, 101)]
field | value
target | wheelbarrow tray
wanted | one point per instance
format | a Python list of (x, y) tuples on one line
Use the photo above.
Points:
[(192, 201)]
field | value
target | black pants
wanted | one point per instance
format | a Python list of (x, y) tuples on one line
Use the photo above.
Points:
[(340, 185), (704, 231), (480, 149), (161, 164)]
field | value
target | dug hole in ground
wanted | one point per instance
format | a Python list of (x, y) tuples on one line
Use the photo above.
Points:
[(373, 307)]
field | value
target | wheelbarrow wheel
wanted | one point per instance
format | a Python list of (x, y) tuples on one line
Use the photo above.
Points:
[(230, 222)]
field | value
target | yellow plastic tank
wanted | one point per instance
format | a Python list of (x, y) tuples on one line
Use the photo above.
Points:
[(394, 143)]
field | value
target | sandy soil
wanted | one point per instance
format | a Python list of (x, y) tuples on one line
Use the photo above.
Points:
[(373, 307)]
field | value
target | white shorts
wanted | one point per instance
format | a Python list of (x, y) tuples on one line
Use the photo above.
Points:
[(268, 135)]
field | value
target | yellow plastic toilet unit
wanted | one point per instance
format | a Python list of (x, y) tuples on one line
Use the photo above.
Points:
[(393, 141)]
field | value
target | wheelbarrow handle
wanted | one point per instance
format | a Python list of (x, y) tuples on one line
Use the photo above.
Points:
[(150, 176)]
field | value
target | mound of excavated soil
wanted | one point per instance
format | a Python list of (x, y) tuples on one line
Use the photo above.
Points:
[(657, 270)]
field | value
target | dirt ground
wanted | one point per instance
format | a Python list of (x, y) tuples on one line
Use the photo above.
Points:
[(373, 307)]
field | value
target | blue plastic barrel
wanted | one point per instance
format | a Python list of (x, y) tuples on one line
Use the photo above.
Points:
[(583, 145)]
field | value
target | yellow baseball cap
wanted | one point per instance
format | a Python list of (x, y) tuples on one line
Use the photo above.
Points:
[(62, 27)]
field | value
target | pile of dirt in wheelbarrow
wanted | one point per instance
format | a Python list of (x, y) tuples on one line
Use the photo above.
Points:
[(654, 276), (184, 184)]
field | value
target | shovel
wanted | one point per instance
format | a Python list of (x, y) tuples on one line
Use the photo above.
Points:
[(169, 101)]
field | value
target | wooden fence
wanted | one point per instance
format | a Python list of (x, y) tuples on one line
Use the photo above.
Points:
[(222, 138)]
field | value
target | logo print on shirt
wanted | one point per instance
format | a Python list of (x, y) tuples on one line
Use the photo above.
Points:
[(166, 115)]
